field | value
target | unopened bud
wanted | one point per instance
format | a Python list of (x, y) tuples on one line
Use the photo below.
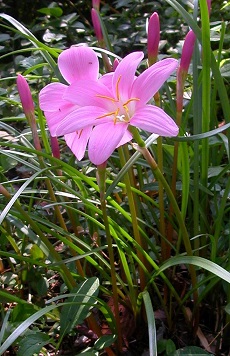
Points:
[(97, 25), (153, 38), (25, 95)]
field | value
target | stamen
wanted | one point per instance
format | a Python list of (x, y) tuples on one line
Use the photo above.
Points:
[(125, 116), (107, 114), (129, 101), (117, 88), (126, 109), (106, 97), (116, 116)]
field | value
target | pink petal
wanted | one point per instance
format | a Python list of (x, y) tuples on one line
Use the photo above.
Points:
[(126, 138), (107, 80), (78, 63), (153, 119), (51, 97), (150, 81), (54, 118), (103, 141), (86, 92), (80, 118), (124, 75), (77, 141)]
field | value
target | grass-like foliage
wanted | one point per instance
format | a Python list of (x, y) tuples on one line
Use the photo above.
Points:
[(132, 253)]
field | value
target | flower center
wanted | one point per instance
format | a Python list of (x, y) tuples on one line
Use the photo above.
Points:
[(123, 110)]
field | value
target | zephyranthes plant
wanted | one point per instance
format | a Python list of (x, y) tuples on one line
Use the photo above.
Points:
[(140, 203)]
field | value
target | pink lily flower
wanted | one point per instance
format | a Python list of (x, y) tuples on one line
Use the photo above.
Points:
[(77, 64), (109, 105)]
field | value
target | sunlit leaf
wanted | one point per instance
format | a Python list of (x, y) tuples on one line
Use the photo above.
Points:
[(104, 341), (51, 11)]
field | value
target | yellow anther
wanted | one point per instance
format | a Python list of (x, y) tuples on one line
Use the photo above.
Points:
[(117, 88), (106, 97), (116, 114), (119, 114), (107, 114), (129, 101), (126, 109), (125, 106)]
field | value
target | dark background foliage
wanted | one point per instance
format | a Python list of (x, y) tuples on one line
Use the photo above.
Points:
[(69, 22)]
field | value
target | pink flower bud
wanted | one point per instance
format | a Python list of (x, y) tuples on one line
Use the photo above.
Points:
[(153, 38), (115, 63), (25, 95), (182, 71), (55, 147), (97, 25), (96, 4), (28, 107), (187, 51)]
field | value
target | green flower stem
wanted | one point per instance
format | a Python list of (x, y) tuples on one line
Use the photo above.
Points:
[(159, 176), (101, 175), (136, 135), (181, 76), (206, 80), (196, 148), (164, 245), (32, 122), (133, 212), (161, 199)]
